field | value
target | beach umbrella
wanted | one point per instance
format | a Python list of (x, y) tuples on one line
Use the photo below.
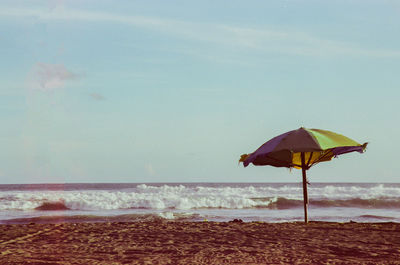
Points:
[(302, 149)]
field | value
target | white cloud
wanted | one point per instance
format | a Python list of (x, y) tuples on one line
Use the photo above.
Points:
[(47, 77), (258, 39), (300, 43), (56, 3), (97, 96)]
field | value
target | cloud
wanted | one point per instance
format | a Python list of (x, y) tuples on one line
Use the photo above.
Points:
[(298, 43), (56, 3), (47, 77), (246, 38), (97, 96)]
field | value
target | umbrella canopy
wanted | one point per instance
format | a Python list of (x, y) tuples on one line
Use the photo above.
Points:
[(317, 145), (302, 148)]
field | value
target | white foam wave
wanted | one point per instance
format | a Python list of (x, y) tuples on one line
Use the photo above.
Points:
[(187, 197), (348, 192)]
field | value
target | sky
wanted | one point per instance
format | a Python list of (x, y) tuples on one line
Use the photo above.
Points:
[(176, 91)]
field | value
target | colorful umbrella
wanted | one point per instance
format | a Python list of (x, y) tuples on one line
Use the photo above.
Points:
[(302, 148)]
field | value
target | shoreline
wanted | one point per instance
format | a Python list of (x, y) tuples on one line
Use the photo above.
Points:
[(173, 242)]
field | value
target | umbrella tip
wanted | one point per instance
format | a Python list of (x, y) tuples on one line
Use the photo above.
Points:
[(243, 157), (364, 146)]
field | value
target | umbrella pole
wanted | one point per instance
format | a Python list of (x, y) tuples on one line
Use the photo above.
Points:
[(305, 194)]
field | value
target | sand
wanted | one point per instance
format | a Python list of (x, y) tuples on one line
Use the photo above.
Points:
[(163, 242)]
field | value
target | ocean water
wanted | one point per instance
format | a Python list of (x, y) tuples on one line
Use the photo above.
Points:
[(128, 202)]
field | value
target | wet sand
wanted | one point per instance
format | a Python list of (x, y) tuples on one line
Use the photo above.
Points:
[(164, 242)]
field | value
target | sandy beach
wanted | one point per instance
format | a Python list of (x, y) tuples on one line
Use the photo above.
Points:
[(163, 242)]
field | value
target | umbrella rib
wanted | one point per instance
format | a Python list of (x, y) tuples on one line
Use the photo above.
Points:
[(309, 159), (278, 160), (321, 157)]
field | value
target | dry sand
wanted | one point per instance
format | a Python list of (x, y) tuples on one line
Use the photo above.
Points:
[(200, 243)]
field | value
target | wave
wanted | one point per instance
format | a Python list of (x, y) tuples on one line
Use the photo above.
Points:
[(377, 203), (279, 203), (52, 206), (378, 217), (99, 218), (381, 203), (181, 197), (173, 216)]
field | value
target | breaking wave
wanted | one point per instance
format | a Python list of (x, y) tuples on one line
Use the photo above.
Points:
[(379, 203), (186, 197), (52, 206)]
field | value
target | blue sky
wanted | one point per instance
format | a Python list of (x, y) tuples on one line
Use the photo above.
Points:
[(176, 91)]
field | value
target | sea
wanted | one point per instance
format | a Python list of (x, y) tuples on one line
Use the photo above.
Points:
[(218, 202)]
